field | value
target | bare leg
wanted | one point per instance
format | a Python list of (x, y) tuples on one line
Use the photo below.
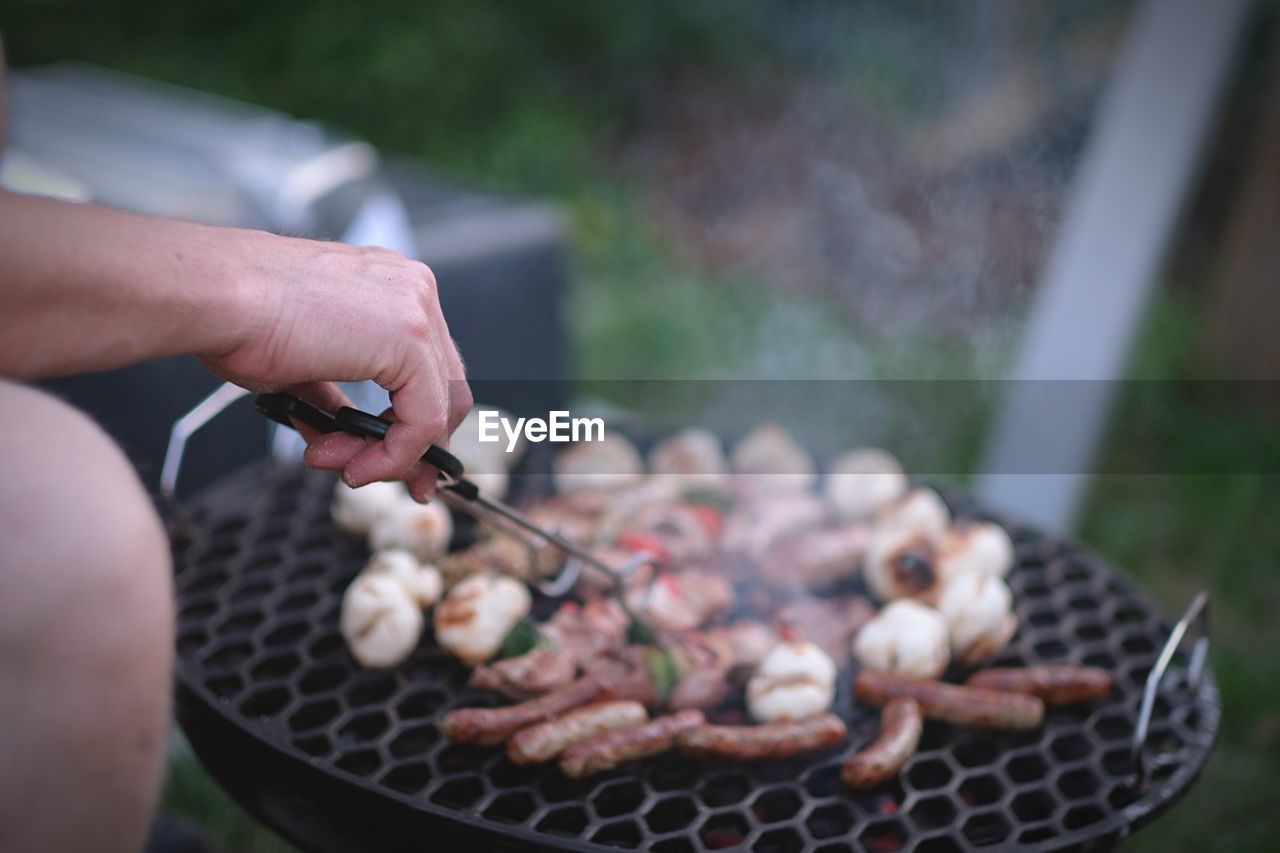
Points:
[(86, 634)]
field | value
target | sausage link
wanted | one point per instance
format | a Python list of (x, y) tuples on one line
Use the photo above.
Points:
[(770, 740), (494, 725), (1056, 685), (965, 706), (608, 750), (900, 727), (544, 741)]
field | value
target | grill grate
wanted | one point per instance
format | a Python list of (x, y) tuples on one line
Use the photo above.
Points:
[(260, 575)]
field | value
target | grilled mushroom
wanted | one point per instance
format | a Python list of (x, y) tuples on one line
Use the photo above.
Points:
[(906, 638), (979, 613), (380, 620), (902, 563), (476, 615), (422, 529), (769, 460), (422, 582), (980, 547), (694, 457), (919, 511), (356, 510), (794, 681), (601, 466), (860, 482)]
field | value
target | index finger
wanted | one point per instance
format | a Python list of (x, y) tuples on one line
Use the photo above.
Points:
[(421, 405)]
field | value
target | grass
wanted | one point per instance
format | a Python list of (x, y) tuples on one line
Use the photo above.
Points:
[(537, 98), (191, 791), (1181, 532)]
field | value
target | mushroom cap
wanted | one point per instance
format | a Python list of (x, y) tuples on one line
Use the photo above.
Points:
[(356, 510), (860, 482), (598, 466), (484, 457), (905, 637), (476, 615), (775, 699), (978, 609), (693, 456), (422, 529), (422, 582), (771, 460), (920, 510), (902, 563), (379, 619), (981, 547), (798, 658)]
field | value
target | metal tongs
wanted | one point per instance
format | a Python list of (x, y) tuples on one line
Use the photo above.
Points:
[(457, 491)]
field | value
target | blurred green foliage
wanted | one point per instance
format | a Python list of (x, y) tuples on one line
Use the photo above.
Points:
[(537, 97), (1179, 533)]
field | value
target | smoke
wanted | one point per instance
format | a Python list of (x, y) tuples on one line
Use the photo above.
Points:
[(893, 175)]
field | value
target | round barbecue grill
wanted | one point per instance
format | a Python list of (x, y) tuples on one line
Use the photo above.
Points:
[(336, 757)]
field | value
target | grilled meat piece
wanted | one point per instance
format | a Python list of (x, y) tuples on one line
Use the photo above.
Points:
[(544, 741), (767, 741), (606, 751), (829, 623), (900, 726), (964, 706), (589, 630), (533, 674), (530, 561), (1055, 685), (682, 600), (754, 527), (817, 559), (625, 673), (744, 644), (494, 725), (702, 688)]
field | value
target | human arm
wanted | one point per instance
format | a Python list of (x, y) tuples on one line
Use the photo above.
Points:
[(87, 288)]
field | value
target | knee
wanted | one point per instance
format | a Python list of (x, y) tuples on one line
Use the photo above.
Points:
[(79, 528), (86, 624)]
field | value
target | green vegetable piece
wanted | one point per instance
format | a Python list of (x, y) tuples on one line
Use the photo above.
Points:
[(520, 640), (662, 671), (639, 634)]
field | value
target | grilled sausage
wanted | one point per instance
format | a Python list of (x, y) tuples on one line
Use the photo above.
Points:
[(965, 706), (544, 741), (608, 750), (771, 740), (900, 727), (1056, 685), (494, 725)]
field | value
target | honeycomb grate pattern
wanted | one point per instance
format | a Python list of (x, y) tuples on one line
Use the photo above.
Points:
[(260, 573)]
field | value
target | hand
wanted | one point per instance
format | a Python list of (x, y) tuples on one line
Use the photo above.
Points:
[(322, 312)]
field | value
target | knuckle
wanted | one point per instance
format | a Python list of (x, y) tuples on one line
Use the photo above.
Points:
[(424, 278), (435, 427), (417, 324), (461, 402)]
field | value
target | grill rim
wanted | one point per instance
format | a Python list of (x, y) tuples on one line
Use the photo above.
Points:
[(193, 695)]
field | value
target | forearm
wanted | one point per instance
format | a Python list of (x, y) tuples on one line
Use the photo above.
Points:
[(86, 288)]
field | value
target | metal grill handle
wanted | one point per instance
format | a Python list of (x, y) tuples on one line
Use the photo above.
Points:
[(1197, 611), (188, 425)]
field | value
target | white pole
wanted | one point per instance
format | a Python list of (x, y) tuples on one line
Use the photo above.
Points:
[(1135, 174)]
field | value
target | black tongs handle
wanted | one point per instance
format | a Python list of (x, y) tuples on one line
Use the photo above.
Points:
[(286, 408)]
